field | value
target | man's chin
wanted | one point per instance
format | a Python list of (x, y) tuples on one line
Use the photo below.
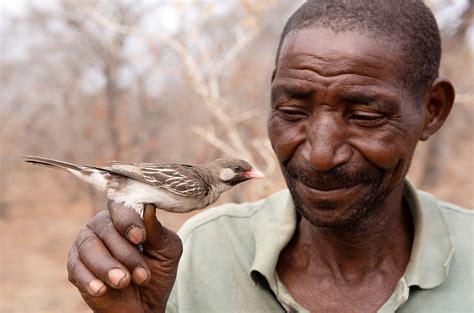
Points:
[(338, 209), (327, 214), (329, 199)]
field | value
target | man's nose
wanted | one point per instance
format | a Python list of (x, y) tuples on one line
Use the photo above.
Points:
[(327, 136)]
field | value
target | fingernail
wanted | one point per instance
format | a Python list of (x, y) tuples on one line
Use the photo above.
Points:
[(140, 275), (96, 287), (135, 235), (115, 276)]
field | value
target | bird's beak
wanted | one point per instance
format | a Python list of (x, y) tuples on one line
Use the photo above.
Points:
[(253, 174)]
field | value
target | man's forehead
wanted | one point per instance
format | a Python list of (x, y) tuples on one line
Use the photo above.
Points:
[(324, 45)]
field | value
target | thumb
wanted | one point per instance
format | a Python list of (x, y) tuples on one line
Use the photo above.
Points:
[(162, 250), (160, 241)]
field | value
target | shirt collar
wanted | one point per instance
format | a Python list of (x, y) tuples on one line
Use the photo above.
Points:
[(431, 252), (432, 248), (273, 228)]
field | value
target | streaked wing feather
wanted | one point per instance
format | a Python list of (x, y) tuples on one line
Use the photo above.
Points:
[(180, 179), (110, 163)]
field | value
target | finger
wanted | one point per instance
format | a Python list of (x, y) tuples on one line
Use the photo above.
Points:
[(127, 222), (80, 276), (121, 249), (95, 256), (160, 241)]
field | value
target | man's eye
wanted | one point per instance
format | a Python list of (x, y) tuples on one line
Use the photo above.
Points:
[(291, 114), (367, 118)]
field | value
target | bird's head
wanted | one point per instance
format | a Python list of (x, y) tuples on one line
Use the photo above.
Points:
[(233, 171)]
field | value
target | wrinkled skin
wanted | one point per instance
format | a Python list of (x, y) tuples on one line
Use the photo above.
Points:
[(105, 250), (344, 128), (341, 125)]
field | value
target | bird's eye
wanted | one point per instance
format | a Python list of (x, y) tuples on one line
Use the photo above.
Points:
[(236, 169)]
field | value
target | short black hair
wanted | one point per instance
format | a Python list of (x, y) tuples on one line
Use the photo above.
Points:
[(410, 22)]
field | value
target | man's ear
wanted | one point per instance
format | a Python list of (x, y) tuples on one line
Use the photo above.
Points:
[(438, 104)]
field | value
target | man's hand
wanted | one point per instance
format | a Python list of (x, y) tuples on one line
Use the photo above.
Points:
[(109, 270)]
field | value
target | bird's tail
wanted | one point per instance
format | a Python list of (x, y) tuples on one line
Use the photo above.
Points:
[(60, 165), (95, 176)]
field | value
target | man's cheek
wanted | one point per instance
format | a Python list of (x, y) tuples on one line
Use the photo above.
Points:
[(285, 139), (384, 153), (391, 156)]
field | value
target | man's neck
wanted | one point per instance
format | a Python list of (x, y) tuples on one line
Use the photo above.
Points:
[(381, 242), (327, 269)]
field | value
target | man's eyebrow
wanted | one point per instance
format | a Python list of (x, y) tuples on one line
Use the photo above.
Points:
[(366, 96), (289, 91), (375, 99), (357, 97)]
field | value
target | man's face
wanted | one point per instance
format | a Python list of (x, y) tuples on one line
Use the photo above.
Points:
[(342, 124)]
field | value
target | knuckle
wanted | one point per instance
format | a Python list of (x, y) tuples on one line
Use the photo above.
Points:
[(72, 279), (113, 206), (100, 218), (85, 231), (71, 260), (72, 271), (102, 215), (72, 264), (132, 260), (123, 224), (85, 240), (106, 229)]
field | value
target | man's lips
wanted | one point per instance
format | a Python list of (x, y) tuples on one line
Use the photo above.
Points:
[(328, 185), (328, 193)]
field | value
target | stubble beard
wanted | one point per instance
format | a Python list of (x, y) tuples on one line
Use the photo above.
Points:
[(320, 212)]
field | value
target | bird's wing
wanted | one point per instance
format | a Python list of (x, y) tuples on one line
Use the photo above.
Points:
[(180, 179)]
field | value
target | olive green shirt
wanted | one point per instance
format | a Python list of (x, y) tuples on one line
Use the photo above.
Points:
[(230, 255)]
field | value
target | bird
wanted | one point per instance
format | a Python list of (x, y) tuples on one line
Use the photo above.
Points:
[(176, 188)]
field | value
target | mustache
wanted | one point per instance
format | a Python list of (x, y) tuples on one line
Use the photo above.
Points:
[(342, 176)]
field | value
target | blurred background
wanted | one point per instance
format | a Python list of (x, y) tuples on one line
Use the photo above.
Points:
[(159, 81)]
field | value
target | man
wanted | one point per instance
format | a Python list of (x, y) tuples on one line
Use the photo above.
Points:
[(354, 89)]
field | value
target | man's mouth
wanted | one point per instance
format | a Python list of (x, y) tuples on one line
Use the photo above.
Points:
[(327, 186), (328, 192), (325, 182)]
